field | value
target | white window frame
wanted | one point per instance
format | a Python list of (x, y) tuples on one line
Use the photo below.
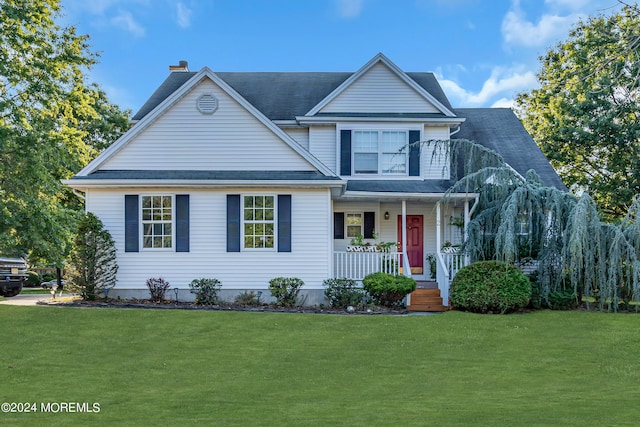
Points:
[(380, 152), (346, 224), (274, 221), (172, 222)]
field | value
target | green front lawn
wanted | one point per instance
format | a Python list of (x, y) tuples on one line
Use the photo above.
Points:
[(31, 291), (166, 367)]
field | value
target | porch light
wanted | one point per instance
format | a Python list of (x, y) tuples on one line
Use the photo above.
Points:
[(386, 215)]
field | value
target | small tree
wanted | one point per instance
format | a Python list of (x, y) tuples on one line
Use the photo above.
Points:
[(92, 263)]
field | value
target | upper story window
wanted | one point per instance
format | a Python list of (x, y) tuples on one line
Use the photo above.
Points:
[(157, 221), (380, 152)]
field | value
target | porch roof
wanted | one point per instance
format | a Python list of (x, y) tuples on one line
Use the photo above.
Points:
[(400, 186), (401, 189)]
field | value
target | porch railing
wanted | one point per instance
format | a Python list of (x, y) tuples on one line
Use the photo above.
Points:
[(453, 262), (356, 265)]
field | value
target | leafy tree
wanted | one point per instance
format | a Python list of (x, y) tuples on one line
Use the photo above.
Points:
[(51, 124), (585, 115), (92, 262)]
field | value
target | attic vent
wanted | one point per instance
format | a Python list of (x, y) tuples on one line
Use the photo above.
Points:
[(207, 104)]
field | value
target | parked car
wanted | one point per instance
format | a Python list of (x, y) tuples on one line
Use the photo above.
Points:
[(13, 273)]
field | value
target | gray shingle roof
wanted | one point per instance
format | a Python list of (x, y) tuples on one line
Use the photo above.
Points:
[(283, 96), (208, 175), (399, 186), (280, 96), (500, 130)]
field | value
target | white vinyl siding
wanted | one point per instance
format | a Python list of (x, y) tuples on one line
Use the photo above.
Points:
[(309, 259), (322, 144), (434, 167), (229, 139), (301, 136), (379, 90)]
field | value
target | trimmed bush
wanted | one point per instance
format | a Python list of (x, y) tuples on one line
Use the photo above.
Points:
[(343, 292), (157, 288), (285, 290), (490, 287), (386, 289), (249, 298), (206, 290)]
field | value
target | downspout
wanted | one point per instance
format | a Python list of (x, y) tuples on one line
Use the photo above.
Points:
[(454, 132)]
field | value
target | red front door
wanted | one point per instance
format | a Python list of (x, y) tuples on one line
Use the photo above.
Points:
[(415, 240)]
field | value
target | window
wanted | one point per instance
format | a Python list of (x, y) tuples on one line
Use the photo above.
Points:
[(157, 221), (522, 226), (259, 222), (380, 152), (354, 225)]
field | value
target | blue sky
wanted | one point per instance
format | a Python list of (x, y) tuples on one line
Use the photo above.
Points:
[(484, 52)]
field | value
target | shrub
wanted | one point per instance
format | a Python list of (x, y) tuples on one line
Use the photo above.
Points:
[(33, 280), (285, 290), (386, 289), (343, 292), (563, 299), (206, 290), (490, 286), (247, 298), (157, 288), (92, 261)]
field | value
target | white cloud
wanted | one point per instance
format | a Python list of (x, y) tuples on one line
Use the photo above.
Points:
[(184, 15), (498, 90), (125, 21), (517, 31), (557, 18), (349, 8), (503, 103)]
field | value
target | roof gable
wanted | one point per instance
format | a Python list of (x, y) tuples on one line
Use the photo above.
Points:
[(168, 138), (380, 87)]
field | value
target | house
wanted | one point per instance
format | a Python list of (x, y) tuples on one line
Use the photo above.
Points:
[(245, 177)]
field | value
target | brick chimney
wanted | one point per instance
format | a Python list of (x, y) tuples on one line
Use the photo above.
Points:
[(183, 66)]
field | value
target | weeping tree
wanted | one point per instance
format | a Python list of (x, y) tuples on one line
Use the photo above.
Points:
[(519, 218)]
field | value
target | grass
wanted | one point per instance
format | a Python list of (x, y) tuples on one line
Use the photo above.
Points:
[(31, 291), (166, 367)]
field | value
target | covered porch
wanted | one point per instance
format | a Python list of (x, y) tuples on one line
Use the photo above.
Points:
[(414, 235)]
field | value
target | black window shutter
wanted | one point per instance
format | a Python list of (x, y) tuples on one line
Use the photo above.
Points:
[(182, 223), (284, 223), (369, 224), (345, 152), (338, 225), (131, 227), (233, 223), (414, 153)]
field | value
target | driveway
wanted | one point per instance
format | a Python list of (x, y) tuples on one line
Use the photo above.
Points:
[(27, 299)]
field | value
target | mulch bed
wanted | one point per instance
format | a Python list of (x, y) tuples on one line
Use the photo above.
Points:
[(266, 308)]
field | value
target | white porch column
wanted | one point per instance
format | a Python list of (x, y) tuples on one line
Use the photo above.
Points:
[(467, 218), (404, 228), (438, 231), (442, 277)]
